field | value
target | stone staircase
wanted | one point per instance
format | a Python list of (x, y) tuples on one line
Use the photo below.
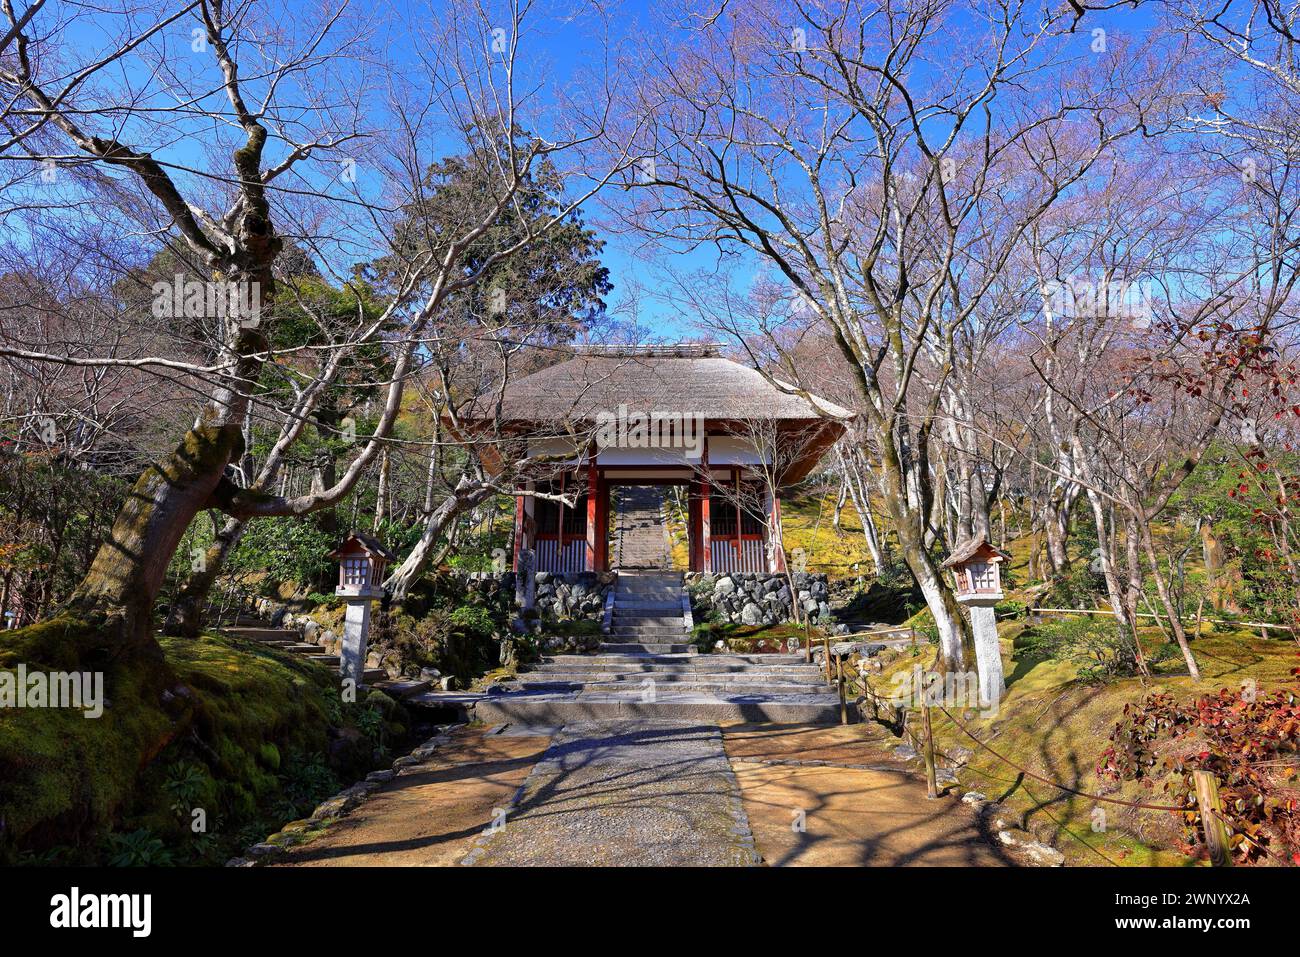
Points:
[(641, 536), (648, 669), (649, 615), (781, 689), (286, 639)]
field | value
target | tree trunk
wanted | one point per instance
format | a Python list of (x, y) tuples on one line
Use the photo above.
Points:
[(858, 491), (466, 495), (186, 617), (381, 495), (128, 570), (1162, 589), (1212, 553)]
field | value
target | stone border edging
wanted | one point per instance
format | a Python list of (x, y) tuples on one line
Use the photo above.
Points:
[(299, 832)]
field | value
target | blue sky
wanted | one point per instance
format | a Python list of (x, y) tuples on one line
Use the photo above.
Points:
[(564, 44)]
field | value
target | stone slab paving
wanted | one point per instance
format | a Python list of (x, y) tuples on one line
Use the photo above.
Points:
[(625, 793), (431, 814), (837, 797)]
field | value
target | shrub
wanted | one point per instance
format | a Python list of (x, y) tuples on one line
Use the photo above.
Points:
[(1101, 649), (421, 641), (140, 848), (1080, 587), (923, 622), (1249, 741), (288, 549), (1011, 608), (474, 621)]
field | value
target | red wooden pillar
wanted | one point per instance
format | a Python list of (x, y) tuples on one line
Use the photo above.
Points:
[(593, 516), (706, 544)]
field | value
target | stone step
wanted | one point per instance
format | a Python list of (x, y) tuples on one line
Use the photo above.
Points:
[(668, 607), (455, 705), (645, 686), (324, 659), (693, 660), (645, 647), (750, 678), (302, 648), (677, 637), (649, 628), (261, 634), (542, 707), (781, 672), (404, 688)]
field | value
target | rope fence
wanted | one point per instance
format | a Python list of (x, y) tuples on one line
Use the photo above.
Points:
[(1216, 828)]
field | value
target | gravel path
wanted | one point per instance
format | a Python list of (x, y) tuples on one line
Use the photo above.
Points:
[(626, 793)]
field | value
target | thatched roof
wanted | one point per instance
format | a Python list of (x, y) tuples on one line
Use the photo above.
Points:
[(367, 543), (687, 379), (971, 548)]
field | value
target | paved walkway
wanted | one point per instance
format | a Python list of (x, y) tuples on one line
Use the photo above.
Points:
[(656, 793), (626, 793), (429, 815)]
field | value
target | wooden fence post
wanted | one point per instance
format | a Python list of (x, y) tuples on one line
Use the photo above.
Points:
[(844, 710), (807, 641), (931, 783), (826, 651), (1216, 831)]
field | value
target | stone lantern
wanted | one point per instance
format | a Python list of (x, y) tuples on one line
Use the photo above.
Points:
[(361, 573), (977, 574)]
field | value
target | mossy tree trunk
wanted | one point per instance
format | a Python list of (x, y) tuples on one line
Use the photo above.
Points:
[(128, 571)]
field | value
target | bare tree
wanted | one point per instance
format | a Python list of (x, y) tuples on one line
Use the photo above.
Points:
[(872, 161), (260, 59)]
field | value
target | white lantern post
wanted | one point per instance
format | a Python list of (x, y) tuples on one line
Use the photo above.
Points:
[(361, 573), (976, 566)]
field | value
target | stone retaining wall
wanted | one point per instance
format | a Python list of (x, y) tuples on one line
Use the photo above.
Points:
[(758, 599), (575, 596)]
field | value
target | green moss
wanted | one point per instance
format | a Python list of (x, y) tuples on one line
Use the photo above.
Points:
[(61, 772), (235, 729), (1057, 726)]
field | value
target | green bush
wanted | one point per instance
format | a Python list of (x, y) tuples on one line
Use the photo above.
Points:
[(474, 621), (923, 622), (1011, 608), (1100, 648), (140, 848), (421, 641), (287, 549)]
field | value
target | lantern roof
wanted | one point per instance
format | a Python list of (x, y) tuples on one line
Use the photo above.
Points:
[(975, 548), (361, 542)]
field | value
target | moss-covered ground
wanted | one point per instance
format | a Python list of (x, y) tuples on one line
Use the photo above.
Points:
[(1055, 725), (807, 522), (201, 751)]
